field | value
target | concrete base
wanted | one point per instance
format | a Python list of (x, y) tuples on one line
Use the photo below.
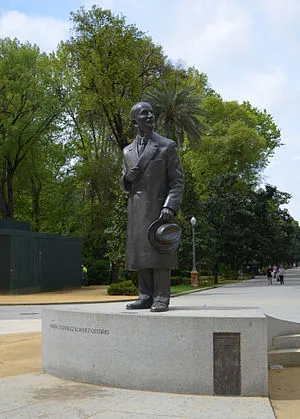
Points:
[(168, 352), (289, 357)]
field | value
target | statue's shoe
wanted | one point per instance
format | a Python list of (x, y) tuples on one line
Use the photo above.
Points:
[(139, 305), (158, 307)]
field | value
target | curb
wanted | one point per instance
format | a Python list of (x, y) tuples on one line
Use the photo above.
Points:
[(122, 300), (64, 302), (197, 290)]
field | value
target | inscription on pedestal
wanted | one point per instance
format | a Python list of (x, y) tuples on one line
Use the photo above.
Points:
[(227, 364), (77, 329)]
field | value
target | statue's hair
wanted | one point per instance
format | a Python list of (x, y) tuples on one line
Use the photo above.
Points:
[(135, 109)]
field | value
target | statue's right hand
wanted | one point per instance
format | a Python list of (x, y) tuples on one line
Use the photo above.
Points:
[(132, 175)]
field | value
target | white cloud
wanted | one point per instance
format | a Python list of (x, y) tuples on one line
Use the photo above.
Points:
[(205, 33), (46, 32), (104, 4), (281, 12), (119, 6), (265, 89)]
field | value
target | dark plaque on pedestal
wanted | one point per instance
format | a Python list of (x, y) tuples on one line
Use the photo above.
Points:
[(227, 364)]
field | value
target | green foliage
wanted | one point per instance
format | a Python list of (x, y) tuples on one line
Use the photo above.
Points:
[(178, 111), (239, 225), (238, 139), (116, 233), (181, 272), (180, 280), (114, 62), (206, 279), (132, 276), (98, 271), (275, 233), (204, 272), (29, 107), (122, 288)]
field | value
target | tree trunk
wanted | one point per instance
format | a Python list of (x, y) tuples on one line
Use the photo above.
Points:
[(215, 272), (3, 206), (10, 195), (235, 269), (36, 187), (115, 270)]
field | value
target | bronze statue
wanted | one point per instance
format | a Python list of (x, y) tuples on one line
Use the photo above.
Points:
[(153, 178)]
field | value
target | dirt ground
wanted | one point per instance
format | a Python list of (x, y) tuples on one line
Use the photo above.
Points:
[(93, 293), (284, 392), (21, 354)]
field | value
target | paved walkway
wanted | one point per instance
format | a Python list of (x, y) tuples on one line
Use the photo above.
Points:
[(276, 300), (41, 395), (33, 396)]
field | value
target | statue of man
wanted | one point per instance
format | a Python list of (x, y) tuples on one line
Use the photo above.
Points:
[(153, 178)]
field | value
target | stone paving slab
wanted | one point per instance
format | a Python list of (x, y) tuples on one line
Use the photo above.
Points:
[(20, 326), (41, 395)]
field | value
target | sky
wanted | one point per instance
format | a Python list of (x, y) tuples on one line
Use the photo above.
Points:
[(249, 49)]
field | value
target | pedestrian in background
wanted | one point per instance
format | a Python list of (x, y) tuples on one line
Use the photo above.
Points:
[(281, 274), (269, 274), (85, 281), (274, 272)]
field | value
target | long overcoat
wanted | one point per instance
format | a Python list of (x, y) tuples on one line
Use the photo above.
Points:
[(160, 184)]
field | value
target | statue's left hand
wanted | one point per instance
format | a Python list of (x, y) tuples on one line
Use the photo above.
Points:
[(167, 214)]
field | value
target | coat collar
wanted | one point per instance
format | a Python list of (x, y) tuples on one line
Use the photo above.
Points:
[(150, 149)]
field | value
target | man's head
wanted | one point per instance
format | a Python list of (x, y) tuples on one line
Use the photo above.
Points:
[(142, 117)]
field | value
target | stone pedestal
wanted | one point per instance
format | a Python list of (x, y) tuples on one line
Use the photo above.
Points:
[(187, 350)]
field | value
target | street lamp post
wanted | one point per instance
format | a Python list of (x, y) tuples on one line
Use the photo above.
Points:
[(194, 272)]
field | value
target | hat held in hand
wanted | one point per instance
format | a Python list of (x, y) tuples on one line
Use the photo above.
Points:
[(164, 237)]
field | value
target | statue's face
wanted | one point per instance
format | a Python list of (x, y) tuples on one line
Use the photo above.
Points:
[(144, 118)]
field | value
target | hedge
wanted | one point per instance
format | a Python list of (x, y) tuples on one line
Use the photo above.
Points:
[(122, 288)]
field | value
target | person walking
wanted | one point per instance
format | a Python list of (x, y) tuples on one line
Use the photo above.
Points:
[(281, 274), (269, 274), (274, 272)]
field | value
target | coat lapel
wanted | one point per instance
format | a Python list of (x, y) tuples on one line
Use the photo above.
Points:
[(133, 156), (147, 154)]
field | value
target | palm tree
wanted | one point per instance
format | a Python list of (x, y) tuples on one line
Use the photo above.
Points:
[(177, 112)]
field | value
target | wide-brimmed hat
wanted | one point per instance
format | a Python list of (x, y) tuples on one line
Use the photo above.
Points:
[(164, 237)]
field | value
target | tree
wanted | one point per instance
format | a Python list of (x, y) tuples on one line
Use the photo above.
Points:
[(105, 67), (238, 139), (243, 224), (116, 235), (113, 63), (177, 111), (228, 214), (29, 107), (274, 232), (37, 184)]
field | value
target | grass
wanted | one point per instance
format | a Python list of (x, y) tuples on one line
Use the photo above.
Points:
[(204, 282), (177, 289)]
